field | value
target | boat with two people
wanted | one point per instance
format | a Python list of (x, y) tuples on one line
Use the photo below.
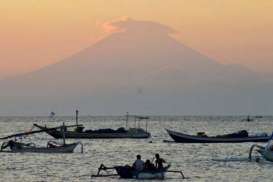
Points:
[(265, 151), (201, 137), (147, 171), (80, 132), (14, 146)]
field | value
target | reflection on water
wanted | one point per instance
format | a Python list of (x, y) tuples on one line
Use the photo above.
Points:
[(199, 162)]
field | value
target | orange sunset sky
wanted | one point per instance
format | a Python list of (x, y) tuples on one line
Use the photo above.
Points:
[(37, 33)]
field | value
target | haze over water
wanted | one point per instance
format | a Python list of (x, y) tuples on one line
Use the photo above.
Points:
[(199, 162)]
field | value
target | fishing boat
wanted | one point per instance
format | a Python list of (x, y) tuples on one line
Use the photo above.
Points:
[(265, 151), (238, 137), (127, 172), (14, 146), (79, 132), (52, 147), (248, 119)]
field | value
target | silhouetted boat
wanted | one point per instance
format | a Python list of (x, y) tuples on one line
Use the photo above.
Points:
[(19, 147), (51, 147), (52, 115), (94, 134), (238, 137), (79, 131), (248, 119), (126, 172)]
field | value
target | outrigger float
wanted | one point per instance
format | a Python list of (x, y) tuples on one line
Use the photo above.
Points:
[(127, 172), (13, 146), (265, 151)]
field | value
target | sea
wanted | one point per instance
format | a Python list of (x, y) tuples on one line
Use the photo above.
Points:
[(198, 162)]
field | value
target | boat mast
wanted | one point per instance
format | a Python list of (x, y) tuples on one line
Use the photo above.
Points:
[(63, 134), (127, 119), (146, 124), (135, 121), (77, 116)]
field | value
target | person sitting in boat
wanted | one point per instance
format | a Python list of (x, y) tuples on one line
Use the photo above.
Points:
[(148, 166), (138, 164), (159, 162), (52, 144)]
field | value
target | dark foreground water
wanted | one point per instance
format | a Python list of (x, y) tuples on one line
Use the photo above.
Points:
[(199, 162)]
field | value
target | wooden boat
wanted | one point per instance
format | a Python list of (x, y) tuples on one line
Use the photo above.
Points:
[(19, 147), (79, 132), (229, 138), (248, 119), (127, 172), (103, 133), (265, 151), (51, 147)]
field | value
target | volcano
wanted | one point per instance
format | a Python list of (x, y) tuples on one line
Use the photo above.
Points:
[(140, 69)]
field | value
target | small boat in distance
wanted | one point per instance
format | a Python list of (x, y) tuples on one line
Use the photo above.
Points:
[(238, 137), (248, 119), (79, 132), (52, 115)]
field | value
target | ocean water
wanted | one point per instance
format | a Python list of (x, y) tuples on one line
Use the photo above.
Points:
[(199, 162)]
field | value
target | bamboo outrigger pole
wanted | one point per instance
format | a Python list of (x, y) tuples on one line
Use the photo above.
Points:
[(180, 172), (33, 132)]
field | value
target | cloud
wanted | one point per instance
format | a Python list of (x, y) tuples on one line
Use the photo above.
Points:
[(128, 24), (110, 27)]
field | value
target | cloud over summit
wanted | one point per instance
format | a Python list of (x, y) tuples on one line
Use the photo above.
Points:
[(126, 24)]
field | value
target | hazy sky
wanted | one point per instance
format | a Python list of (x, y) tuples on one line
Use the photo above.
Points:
[(37, 33)]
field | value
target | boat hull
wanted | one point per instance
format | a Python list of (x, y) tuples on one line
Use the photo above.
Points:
[(126, 172), (146, 175), (68, 148), (184, 138), (75, 135)]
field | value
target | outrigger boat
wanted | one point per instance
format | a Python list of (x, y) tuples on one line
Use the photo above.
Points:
[(52, 147), (238, 137), (79, 131), (265, 151), (127, 172), (14, 146)]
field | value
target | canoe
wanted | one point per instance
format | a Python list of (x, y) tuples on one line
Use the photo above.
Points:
[(185, 138), (136, 133), (17, 147), (128, 173)]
